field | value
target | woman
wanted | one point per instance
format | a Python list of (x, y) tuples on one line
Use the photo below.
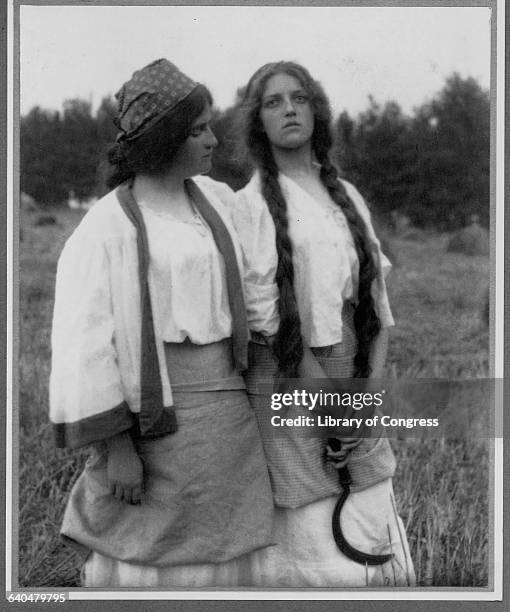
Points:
[(326, 316), (149, 339)]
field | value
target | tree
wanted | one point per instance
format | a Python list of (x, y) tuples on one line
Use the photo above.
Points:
[(433, 166), (106, 134), (452, 137), (79, 148), (106, 130), (40, 156), (376, 154)]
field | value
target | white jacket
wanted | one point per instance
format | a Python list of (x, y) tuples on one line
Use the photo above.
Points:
[(96, 333)]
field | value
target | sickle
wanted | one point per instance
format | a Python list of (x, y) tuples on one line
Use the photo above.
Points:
[(349, 551)]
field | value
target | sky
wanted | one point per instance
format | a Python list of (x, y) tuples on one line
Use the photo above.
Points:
[(402, 54)]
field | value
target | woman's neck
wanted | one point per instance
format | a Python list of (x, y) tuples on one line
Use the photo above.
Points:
[(164, 192), (295, 163)]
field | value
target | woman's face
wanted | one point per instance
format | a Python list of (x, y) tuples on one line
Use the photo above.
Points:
[(286, 112), (195, 155)]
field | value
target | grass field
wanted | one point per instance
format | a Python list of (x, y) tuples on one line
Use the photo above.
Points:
[(441, 485)]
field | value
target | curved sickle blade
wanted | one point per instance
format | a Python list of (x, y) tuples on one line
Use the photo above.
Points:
[(349, 551)]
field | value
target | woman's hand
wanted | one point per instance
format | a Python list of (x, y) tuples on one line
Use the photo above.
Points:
[(309, 366), (125, 469), (339, 449)]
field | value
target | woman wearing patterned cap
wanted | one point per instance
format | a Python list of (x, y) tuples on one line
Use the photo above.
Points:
[(309, 231), (149, 339)]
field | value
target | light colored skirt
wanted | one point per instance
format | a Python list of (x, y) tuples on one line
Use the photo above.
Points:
[(306, 554), (100, 571)]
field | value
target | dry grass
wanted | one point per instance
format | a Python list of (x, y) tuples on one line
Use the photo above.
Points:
[(441, 486), (470, 240), (45, 473)]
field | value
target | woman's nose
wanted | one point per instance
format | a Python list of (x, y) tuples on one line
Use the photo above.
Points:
[(289, 107), (212, 141)]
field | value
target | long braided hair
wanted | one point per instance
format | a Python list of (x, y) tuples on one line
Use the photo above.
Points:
[(288, 345)]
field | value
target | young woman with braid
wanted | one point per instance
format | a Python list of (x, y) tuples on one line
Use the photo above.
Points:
[(317, 307)]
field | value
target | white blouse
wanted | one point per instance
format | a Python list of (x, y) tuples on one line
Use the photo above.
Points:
[(325, 261), (187, 279)]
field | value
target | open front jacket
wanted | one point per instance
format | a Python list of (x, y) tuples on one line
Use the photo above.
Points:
[(95, 382)]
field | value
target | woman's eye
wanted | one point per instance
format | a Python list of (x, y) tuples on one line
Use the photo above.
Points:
[(271, 103), (301, 98), (195, 132)]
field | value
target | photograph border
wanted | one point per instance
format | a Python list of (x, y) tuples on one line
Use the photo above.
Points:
[(11, 254)]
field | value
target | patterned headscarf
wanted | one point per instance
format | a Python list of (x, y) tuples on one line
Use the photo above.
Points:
[(149, 95)]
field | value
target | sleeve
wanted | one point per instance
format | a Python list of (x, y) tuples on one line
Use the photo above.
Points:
[(379, 290), (255, 229), (86, 398)]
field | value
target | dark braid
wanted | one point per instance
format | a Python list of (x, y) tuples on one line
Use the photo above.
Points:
[(288, 345), (366, 321)]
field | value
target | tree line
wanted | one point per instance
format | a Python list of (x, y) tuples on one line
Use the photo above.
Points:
[(432, 165)]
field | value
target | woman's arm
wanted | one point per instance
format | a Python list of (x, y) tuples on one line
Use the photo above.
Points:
[(86, 396), (310, 368), (377, 360), (87, 401), (255, 231), (378, 354)]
